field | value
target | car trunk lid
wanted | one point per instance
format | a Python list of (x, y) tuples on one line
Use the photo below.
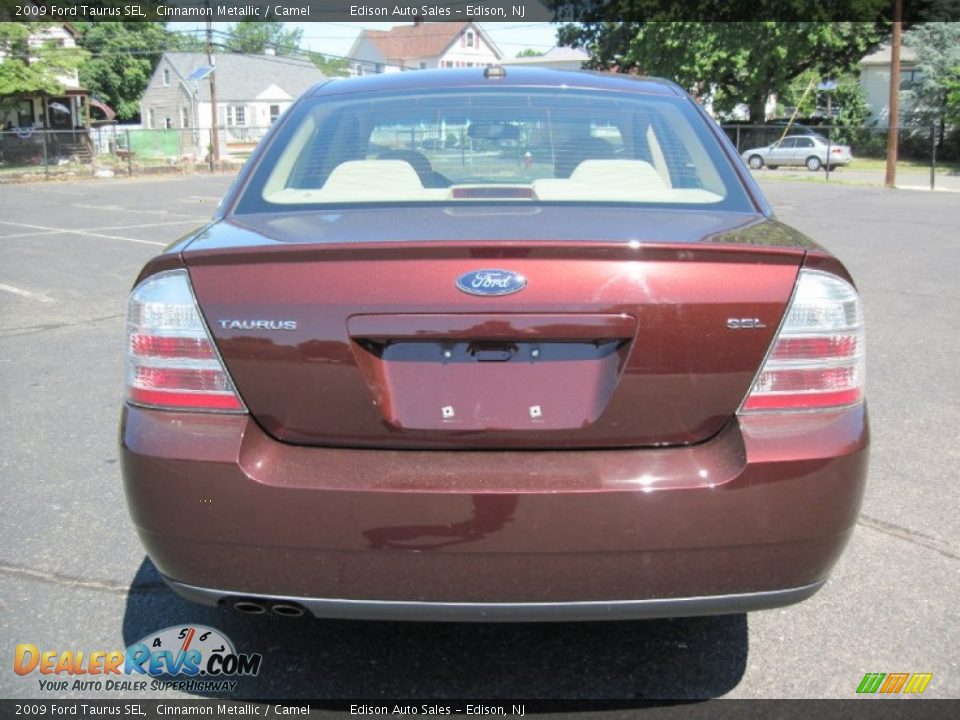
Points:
[(611, 343)]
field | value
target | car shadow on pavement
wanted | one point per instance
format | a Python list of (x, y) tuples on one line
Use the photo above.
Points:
[(344, 660)]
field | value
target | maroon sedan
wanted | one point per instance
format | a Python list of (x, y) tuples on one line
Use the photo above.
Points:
[(495, 345)]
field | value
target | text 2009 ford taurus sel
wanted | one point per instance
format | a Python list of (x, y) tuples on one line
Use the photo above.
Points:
[(518, 344)]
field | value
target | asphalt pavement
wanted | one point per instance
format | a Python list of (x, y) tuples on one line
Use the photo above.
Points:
[(73, 575)]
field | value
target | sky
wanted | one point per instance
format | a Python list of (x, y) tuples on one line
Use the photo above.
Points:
[(335, 38)]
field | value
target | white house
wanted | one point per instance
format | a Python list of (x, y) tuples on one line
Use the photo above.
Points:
[(252, 92), (875, 79), (421, 46), (64, 111)]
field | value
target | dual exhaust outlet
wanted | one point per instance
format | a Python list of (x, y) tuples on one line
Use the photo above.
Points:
[(255, 607)]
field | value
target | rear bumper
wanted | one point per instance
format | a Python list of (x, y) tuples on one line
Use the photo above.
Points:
[(506, 612), (754, 518)]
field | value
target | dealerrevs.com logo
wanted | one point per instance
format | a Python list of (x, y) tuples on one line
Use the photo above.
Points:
[(191, 658)]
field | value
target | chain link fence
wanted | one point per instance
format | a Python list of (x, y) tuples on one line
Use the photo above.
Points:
[(926, 155), (113, 150)]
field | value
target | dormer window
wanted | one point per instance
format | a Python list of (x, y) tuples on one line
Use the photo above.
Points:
[(469, 38), (166, 77)]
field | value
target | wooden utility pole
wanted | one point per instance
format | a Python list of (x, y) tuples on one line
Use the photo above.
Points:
[(893, 131), (214, 133)]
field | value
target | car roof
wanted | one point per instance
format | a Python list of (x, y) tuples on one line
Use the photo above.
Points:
[(513, 77)]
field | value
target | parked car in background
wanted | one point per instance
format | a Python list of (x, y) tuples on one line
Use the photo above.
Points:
[(812, 151), (596, 381)]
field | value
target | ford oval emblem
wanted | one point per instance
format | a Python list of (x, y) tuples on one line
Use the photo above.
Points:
[(491, 282)]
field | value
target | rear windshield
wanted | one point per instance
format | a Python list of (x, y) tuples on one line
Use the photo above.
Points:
[(516, 145)]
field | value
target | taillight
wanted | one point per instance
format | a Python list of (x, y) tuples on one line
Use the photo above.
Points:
[(172, 362), (817, 359)]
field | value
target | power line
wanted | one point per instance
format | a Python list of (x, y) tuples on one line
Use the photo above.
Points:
[(301, 54)]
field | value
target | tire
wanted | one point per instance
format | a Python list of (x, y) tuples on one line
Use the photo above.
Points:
[(772, 167), (755, 162), (813, 163)]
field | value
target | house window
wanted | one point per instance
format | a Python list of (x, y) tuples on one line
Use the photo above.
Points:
[(236, 115), (184, 118), (151, 119), (167, 123), (469, 39), (379, 67), (60, 113), (358, 69), (166, 77), (274, 113), (25, 113), (910, 78), (423, 66)]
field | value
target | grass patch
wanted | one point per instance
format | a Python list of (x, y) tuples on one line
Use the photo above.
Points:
[(911, 165)]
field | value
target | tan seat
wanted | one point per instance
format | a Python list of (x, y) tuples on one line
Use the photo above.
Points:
[(634, 176), (360, 180)]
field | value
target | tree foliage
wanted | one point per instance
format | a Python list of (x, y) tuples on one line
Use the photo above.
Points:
[(953, 96), (122, 58), (255, 38), (937, 49), (330, 66), (727, 63), (33, 61), (846, 100), (529, 52)]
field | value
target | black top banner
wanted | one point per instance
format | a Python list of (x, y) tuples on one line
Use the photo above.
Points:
[(585, 11)]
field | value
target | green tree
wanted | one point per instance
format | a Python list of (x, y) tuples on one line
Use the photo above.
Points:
[(847, 101), (953, 96), (937, 48), (122, 58), (255, 38), (32, 61), (330, 66), (529, 52), (187, 42), (727, 63)]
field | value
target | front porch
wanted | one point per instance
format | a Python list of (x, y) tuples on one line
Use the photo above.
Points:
[(51, 127)]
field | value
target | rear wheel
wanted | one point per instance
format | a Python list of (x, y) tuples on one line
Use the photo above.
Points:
[(755, 162), (772, 167), (813, 163)]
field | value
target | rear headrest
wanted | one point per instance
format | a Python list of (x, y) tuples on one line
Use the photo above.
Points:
[(637, 176), (373, 180)]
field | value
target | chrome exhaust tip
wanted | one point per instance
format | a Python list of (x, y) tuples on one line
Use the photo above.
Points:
[(287, 610), (249, 607)]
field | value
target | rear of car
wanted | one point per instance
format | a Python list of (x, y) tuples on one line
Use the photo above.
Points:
[(466, 346), (837, 155)]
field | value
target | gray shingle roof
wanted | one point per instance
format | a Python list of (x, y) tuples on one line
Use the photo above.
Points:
[(244, 77)]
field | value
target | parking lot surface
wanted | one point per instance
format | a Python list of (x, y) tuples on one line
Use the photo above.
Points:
[(73, 575)]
